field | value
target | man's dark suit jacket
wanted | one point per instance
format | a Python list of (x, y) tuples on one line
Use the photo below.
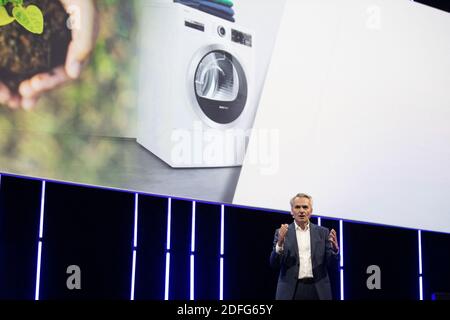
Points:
[(288, 262)]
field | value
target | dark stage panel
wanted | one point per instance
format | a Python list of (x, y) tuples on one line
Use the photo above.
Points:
[(151, 248), (180, 248), (333, 268), (436, 265), (90, 228), (19, 232), (438, 4), (248, 243), (393, 250), (207, 251)]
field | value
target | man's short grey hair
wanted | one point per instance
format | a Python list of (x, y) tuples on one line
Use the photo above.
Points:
[(301, 195)]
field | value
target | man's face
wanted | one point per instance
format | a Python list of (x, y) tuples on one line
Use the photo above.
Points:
[(301, 211)]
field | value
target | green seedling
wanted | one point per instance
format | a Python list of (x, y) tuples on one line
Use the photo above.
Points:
[(30, 17)]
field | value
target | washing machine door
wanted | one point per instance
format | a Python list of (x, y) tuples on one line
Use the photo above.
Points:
[(220, 87)]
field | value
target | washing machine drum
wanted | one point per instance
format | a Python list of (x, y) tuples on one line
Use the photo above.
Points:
[(221, 87)]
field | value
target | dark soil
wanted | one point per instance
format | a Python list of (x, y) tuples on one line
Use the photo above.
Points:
[(24, 54)]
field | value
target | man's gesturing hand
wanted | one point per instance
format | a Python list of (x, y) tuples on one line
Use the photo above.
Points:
[(282, 234), (333, 239)]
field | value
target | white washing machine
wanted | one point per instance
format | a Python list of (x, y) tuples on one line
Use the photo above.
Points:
[(197, 101)]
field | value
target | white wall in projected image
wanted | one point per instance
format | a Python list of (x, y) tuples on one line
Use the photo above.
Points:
[(359, 91)]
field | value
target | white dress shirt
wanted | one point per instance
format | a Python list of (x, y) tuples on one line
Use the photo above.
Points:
[(304, 251)]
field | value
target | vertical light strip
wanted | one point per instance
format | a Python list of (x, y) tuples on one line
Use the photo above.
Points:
[(221, 279), (420, 288), (41, 218), (419, 240), (166, 284), (222, 249), (38, 271), (136, 204), (319, 221), (169, 218), (192, 278), (192, 270), (193, 228), (133, 270), (341, 255), (341, 243), (419, 234), (41, 234), (222, 228), (133, 275)]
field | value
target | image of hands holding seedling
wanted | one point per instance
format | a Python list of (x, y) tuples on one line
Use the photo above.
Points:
[(44, 44)]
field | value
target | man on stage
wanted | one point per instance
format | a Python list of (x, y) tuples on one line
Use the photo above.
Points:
[(302, 252)]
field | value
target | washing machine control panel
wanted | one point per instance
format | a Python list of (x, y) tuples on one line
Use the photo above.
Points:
[(237, 36), (241, 38), (221, 31)]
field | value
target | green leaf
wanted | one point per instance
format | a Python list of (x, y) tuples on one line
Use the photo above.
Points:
[(5, 18), (30, 18)]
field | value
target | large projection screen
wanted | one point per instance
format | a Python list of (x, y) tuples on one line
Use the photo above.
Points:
[(357, 106)]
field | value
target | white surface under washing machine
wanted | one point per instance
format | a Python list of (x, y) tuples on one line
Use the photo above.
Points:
[(196, 99)]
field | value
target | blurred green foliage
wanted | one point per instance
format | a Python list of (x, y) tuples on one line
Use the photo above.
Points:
[(101, 103)]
